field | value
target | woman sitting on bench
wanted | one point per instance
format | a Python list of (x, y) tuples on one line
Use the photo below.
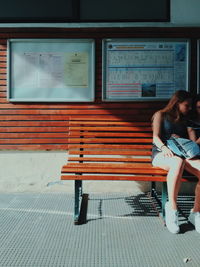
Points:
[(172, 121)]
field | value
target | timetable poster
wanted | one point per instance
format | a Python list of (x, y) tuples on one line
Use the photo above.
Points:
[(50, 70), (144, 70)]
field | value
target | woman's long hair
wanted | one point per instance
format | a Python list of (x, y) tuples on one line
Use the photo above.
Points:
[(171, 110), (194, 114)]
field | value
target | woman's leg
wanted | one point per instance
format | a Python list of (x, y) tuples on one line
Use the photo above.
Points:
[(193, 166), (175, 166)]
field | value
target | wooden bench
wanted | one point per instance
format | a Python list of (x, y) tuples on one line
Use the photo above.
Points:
[(111, 150)]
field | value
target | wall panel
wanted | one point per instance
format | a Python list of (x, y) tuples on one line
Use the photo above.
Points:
[(44, 126)]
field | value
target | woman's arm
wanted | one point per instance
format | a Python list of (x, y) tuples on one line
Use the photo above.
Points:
[(192, 135), (157, 122)]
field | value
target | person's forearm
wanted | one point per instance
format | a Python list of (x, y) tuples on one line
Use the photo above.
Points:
[(198, 141), (158, 142), (192, 134)]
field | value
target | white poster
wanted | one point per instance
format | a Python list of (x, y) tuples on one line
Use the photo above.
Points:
[(51, 70), (144, 69)]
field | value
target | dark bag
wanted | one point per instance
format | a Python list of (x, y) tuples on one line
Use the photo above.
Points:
[(183, 147)]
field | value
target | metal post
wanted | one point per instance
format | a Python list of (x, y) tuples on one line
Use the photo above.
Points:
[(78, 192), (153, 188), (164, 198)]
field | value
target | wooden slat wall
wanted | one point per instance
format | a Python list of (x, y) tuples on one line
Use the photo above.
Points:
[(44, 126)]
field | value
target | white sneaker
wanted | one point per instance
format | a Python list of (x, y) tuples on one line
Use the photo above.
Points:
[(171, 219), (194, 218)]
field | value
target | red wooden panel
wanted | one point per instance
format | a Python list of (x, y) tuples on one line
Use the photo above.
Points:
[(2, 65), (3, 100), (2, 71), (3, 55), (3, 88), (37, 123), (3, 94), (3, 76), (92, 112), (32, 135), (85, 106), (33, 117), (33, 129), (33, 141), (3, 46), (36, 146)]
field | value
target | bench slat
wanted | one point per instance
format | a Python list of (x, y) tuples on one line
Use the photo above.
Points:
[(100, 169), (113, 166), (110, 129), (114, 177), (116, 152), (103, 159), (109, 134), (110, 146), (110, 123), (110, 140)]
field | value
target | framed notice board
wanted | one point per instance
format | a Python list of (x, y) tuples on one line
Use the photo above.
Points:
[(144, 69), (46, 70)]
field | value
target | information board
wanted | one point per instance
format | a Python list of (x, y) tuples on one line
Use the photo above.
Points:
[(144, 69), (51, 70)]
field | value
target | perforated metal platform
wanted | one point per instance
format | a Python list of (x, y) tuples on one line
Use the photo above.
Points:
[(122, 230)]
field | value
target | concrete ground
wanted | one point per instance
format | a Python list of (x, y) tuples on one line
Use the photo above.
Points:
[(122, 230), (30, 171)]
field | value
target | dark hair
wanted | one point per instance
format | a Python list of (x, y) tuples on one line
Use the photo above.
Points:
[(194, 104), (171, 109)]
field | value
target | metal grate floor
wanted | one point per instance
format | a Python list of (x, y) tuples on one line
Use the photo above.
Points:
[(36, 230)]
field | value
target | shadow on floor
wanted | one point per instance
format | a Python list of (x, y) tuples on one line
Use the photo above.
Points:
[(144, 205)]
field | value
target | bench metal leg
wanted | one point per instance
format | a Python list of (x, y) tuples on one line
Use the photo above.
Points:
[(164, 199), (161, 202), (153, 189), (77, 193)]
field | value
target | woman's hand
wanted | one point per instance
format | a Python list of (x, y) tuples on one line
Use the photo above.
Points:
[(167, 152), (175, 136)]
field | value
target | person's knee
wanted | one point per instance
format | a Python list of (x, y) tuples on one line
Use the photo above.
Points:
[(177, 163), (198, 176), (193, 168)]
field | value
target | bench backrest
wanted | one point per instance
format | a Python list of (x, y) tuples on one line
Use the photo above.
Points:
[(110, 141)]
